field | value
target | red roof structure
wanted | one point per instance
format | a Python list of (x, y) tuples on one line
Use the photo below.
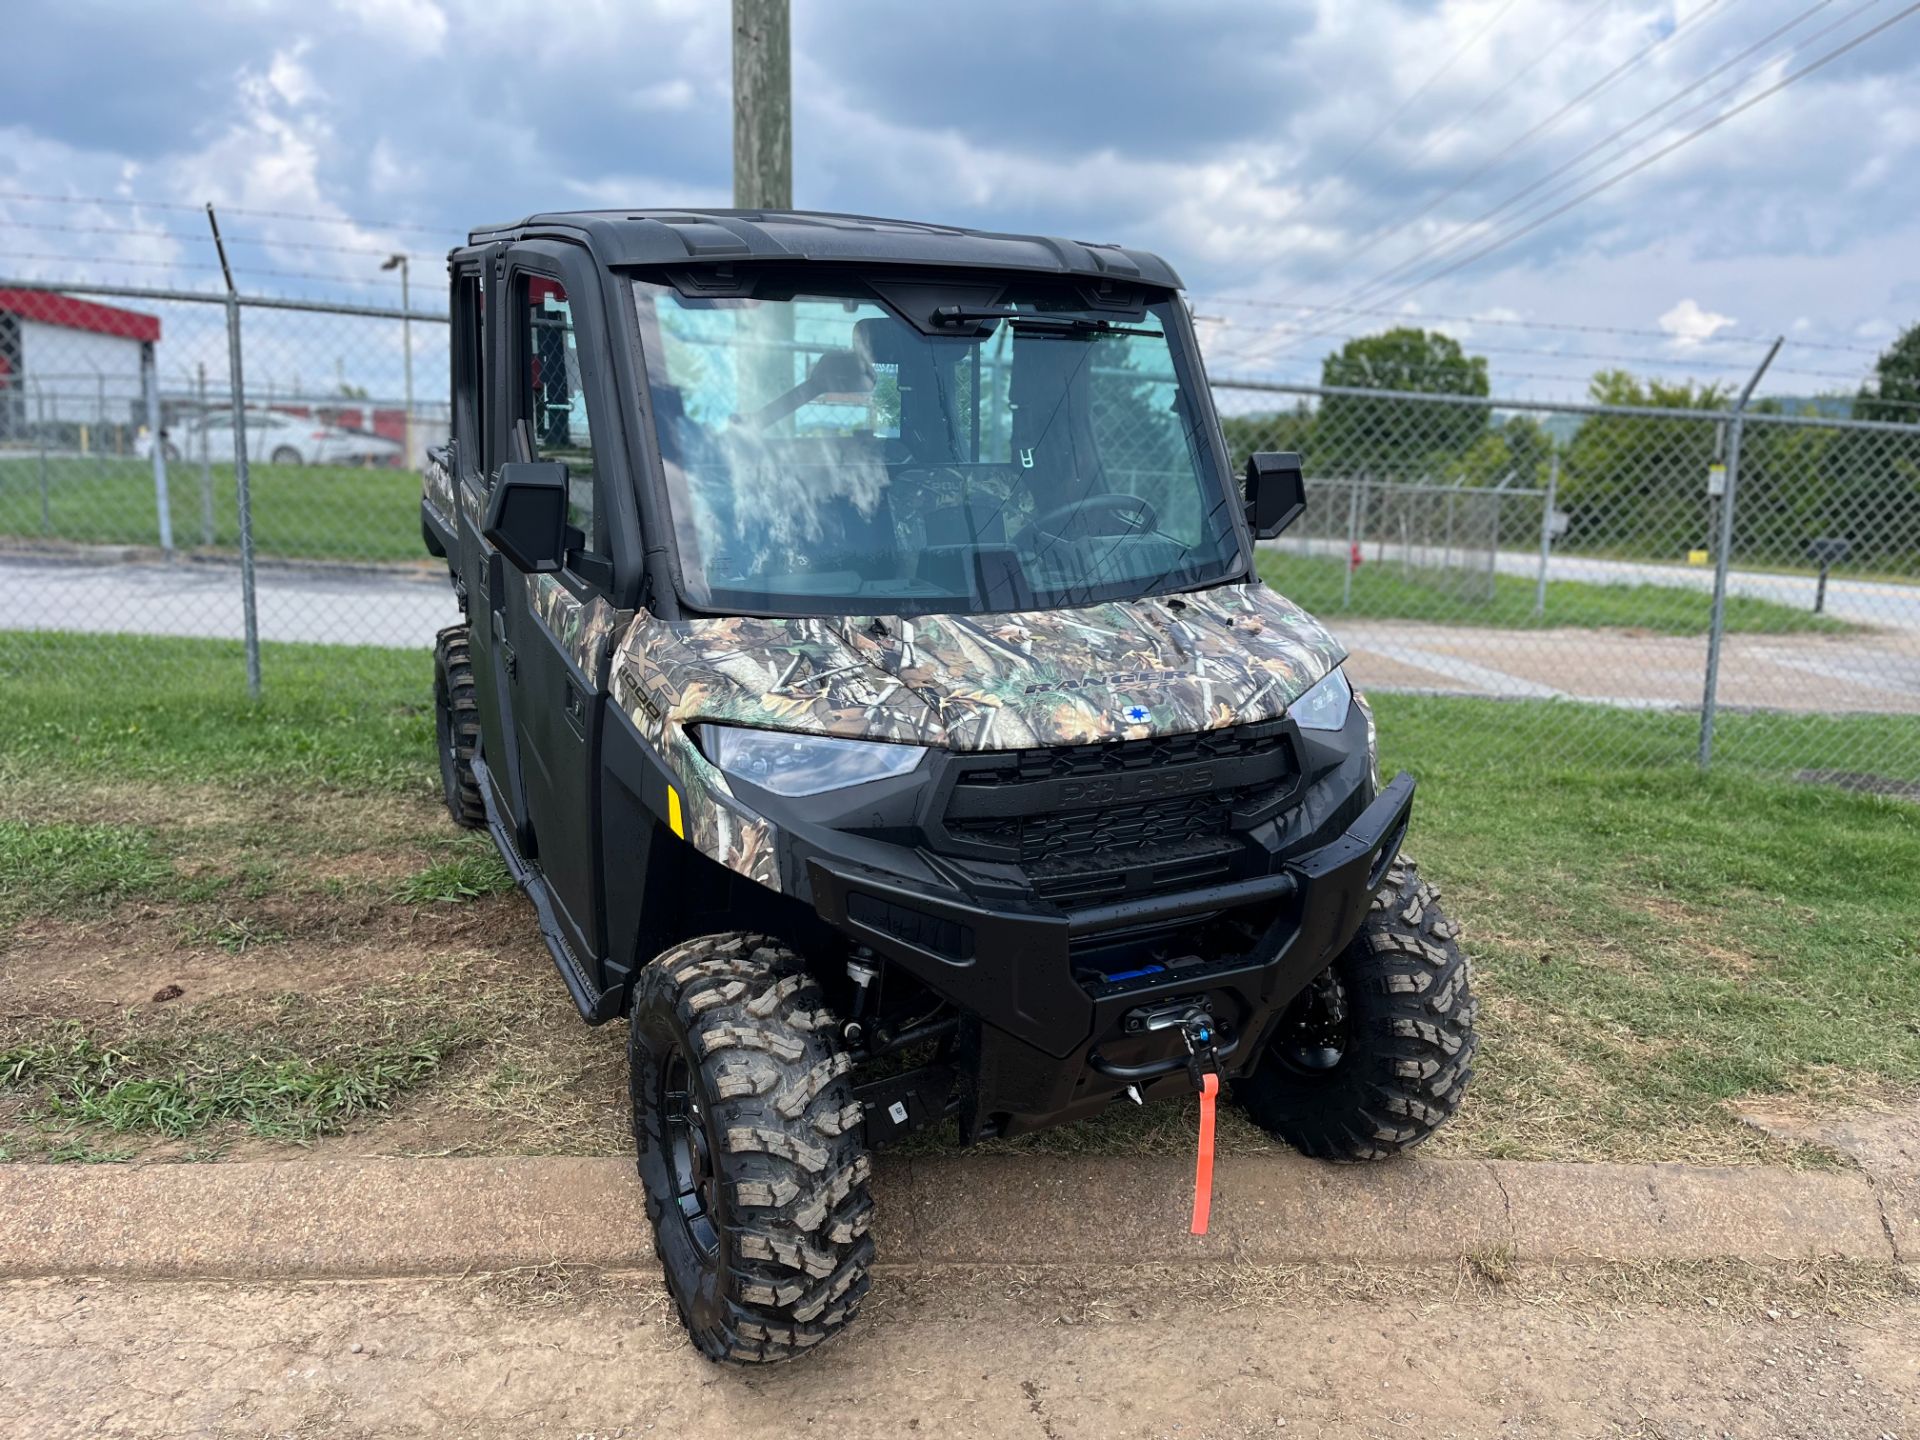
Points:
[(50, 308)]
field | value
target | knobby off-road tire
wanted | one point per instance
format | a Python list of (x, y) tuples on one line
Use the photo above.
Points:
[(457, 727), (770, 1255), (1406, 1043)]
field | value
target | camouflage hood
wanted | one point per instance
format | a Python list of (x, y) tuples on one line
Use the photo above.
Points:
[(1125, 670)]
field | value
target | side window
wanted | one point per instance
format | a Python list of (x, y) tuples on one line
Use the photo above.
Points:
[(470, 371), (553, 400)]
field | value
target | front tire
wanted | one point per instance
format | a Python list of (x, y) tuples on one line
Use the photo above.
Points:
[(285, 455), (456, 723), (750, 1148), (1376, 1054)]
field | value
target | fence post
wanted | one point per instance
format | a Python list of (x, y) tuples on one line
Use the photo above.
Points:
[(206, 466), (1353, 543), (150, 384), (250, 615), (46, 497), (249, 612), (1546, 537), (1717, 620)]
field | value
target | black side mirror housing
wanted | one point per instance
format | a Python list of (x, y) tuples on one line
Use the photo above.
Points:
[(1276, 492), (527, 515)]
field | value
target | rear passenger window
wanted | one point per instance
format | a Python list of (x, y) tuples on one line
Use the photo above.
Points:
[(553, 400)]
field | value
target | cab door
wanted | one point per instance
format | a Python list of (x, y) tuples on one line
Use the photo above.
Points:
[(557, 627)]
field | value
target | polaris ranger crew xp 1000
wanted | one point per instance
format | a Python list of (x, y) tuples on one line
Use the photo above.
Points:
[(866, 675)]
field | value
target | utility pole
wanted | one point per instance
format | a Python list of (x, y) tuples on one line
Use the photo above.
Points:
[(762, 106)]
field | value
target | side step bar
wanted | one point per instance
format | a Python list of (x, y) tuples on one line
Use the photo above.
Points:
[(596, 1006)]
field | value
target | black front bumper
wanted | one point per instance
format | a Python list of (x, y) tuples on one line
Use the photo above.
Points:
[(1058, 1036)]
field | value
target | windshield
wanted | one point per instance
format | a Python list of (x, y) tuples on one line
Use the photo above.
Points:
[(824, 456)]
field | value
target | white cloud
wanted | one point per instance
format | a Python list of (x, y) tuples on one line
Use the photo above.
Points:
[(417, 26), (676, 94), (1690, 325)]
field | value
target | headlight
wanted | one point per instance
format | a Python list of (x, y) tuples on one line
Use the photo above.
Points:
[(1325, 706), (795, 765)]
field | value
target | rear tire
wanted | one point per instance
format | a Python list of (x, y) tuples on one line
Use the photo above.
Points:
[(285, 455), (1375, 1056), (750, 1148), (456, 715)]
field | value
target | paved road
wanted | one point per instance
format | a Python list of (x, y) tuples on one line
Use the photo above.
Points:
[(392, 608), (1874, 672), (1866, 602)]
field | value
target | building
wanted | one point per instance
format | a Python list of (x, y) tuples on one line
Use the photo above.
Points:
[(67, 363)]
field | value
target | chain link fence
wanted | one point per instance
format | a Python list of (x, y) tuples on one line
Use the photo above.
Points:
[(137, 498), (1615, 585), (1582, 583)]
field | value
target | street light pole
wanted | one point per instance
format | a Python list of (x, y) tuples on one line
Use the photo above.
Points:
[(406, 344)]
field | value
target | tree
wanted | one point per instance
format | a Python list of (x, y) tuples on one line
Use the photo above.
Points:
[(1894, 391), (1869, 488), (1270, 430), (1639, 483), (1393, 438), (1516, 452)]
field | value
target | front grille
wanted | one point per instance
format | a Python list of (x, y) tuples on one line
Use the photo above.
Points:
[(1058, 836), (1126, 816), (1116, 757)]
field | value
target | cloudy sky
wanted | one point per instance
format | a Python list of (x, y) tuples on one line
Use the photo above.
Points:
[(1328, 153)]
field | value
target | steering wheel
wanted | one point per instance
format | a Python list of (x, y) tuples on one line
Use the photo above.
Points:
[(1138, 511)]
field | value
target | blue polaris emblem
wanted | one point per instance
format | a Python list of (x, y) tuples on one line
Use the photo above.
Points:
[(1136, 714)]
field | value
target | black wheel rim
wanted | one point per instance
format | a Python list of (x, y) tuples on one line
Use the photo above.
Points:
[(689, 1150), (1317, 1028)]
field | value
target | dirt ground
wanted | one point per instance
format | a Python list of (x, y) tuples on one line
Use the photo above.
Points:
[(1186, 1353)]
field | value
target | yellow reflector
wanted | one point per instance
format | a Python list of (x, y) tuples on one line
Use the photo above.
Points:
[(674, 822), (1697, 557)]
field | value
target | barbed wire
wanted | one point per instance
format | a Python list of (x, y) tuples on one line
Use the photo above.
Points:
[(250, 211), (202, 237), (197, 265)]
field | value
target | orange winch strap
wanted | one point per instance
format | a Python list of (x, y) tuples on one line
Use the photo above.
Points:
[(1203, 1168)]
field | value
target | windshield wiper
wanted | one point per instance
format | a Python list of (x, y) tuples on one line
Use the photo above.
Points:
[(1038, 320)]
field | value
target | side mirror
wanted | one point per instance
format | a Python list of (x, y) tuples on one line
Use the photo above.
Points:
[(1276, 492), (527, 515)]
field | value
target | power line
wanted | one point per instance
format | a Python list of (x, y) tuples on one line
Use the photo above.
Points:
[(1603, 83), (1587, 17), (1688, 138), (1462, 234), (1602, 359), (1419, 90), (1415, 318)]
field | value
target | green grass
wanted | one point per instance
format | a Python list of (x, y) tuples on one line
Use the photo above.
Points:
[(173, 1082), (1387, 590), (62, 868), (324, 512), (134, 707), (1652, 946), (1655, 943), (465, 877)]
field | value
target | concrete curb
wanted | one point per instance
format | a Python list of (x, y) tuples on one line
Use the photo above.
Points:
[(386, 1217)]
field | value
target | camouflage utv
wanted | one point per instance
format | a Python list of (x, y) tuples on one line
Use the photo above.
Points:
[(867, 677)]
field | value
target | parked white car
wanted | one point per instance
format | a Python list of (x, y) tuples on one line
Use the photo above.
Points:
[(276, 438)]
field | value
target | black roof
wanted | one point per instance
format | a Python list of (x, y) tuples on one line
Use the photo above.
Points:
[(670, 237)]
